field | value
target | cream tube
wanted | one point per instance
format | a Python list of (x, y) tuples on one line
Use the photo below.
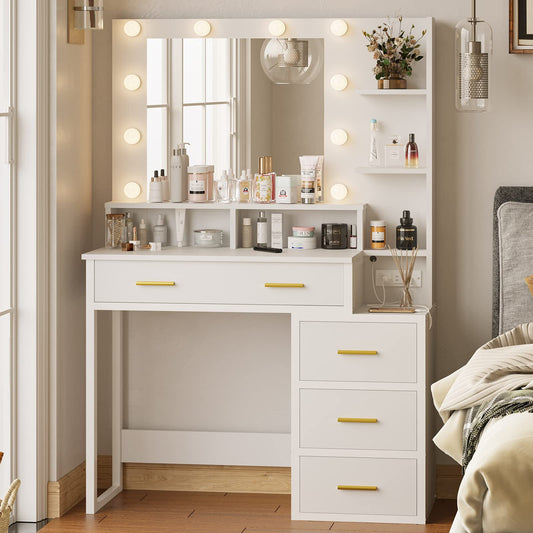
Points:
[(308, 168)]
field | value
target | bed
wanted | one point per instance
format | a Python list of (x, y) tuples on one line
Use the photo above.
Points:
[(496, 492)]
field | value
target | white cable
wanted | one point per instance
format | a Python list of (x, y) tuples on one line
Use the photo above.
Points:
[(381, 302), (426, 308)]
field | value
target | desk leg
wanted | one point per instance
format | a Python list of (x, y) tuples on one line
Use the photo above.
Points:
[(117, 399), (91, 424)]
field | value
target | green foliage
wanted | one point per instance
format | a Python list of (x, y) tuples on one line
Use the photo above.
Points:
[(394, 52)]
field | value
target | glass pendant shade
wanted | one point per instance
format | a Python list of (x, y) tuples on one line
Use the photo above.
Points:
[(287, 61), (89, 14), (473, 51)]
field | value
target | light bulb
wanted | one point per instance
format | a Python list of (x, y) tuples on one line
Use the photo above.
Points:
[(132, 82), (339, 27), (132, 28), (338, 191), (202, 28), (338, 137), (132, 136), (132, 190), (276, 28), (339, 82)]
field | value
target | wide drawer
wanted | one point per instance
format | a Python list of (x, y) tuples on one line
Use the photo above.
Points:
[(358, 486), (219, 283), (358, 351), (358, 420)]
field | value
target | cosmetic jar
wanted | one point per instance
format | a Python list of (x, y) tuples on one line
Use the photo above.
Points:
[(303, 231), (114, 225), (201, 183), (155, 246), (208, 238), (335, 236), (301, 243), (378, 230)]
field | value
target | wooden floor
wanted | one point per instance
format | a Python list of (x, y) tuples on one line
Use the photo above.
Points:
[(201, 512)]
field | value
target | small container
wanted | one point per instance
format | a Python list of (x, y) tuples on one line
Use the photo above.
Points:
[(201, 182), (136, 245), (411, 153), (155, 246), (406, 234), (160, 230), (335, 236), (208, 238), (394, 152), (246, 233), (303, 231), (301, 243), (262, 230), (378, 231), (155, 189), (114, 226), (353, 236), (288, 189), (308, 189)]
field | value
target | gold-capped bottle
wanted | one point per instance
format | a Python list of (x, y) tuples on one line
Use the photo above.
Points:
[(264, 182)]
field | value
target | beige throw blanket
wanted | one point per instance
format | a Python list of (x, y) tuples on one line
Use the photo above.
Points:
[(495, 493)]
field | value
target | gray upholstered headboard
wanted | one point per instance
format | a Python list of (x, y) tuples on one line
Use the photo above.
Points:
[(512, 303)]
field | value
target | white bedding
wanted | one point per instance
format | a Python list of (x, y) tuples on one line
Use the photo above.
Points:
[(496, 493)]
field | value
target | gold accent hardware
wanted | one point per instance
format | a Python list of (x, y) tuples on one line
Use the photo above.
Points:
[(358, 420), (295, 285), (157, 283), (357, 352), (356, 487)]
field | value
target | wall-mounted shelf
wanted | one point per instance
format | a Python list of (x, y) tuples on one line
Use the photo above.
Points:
[(390, 170), (392, 92), (386, 253)]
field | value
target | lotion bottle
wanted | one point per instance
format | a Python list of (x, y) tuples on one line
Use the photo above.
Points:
[(165, 186), (143, 233), (262, 230), (178, 174), (155, 192), (160, 230)]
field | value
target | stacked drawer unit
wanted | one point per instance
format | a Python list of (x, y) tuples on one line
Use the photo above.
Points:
[(359, 420)]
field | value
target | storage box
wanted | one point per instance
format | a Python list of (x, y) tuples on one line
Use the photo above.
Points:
[(288, 189)]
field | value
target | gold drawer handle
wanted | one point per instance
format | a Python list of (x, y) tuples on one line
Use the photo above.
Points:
[(358, 420), (357, 487), (156, 283), (357, 352), (294, 285)]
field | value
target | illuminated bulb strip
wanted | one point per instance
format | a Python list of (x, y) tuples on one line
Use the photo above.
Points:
[(202, 28), (338, 137), (132, 82), (277, 28), (339, 82), (339, 27), (132, 136), (132, 28), (132, 190), (339, 191)]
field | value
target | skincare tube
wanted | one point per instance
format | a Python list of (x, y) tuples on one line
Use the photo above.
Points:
[(308, 166)]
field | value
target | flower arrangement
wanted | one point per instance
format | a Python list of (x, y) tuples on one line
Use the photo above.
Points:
[(394, 52)]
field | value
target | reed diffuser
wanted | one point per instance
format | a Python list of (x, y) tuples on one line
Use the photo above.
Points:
[(405, 263)]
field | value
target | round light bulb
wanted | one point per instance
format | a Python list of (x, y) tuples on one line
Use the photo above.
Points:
[(277, 28), (339, 191), (132, 82), (132, 28), (339, 82), (202, 28), (132, 135), (338, 137), (339, 27), (132, 190)]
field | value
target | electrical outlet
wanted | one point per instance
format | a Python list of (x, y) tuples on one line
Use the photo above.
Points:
[(392, 278)]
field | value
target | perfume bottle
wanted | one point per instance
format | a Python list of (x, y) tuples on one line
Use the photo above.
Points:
[(373, 159), (223, 188), (411, 153), (264, 182), (406, 233), (262, 230)]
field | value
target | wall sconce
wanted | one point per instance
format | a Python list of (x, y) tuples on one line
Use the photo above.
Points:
[(339, 27), (132, 190), (338, 137), (339, 191), (277, 28), (132, 82), (339, 82), (132, 28), (202, 28), (132, 136), (83, 15)]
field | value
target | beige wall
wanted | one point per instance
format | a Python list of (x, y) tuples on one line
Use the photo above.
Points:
[(71, 213), (475, 153)]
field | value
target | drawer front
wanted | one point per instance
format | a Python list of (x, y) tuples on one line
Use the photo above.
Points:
[(358, 486), (347, 351), (219, 283), (358, 420)]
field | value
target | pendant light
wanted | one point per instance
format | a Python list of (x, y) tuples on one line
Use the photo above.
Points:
[(296, 61), (473, 49)]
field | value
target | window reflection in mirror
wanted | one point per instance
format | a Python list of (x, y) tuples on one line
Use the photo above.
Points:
[(213, 94)]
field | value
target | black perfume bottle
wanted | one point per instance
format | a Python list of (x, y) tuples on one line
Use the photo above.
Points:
[(406, 233)]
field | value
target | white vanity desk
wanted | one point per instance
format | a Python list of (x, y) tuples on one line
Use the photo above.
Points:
[(343, 364)]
